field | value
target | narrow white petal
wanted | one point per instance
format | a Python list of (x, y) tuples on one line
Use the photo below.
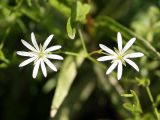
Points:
[(119, 40), (34, 41), (53, 56), (48, 40), (35, 69), (105, 48), (43, 67), (119, 70), (27, 61), (28, 46), (27, 54), (128, 45), (112, 67), (105, 58), (130, 62), (134, 55), (53, 48), (50, 64)]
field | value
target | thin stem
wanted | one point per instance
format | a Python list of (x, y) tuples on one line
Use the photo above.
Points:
[(66, 52), (99, 52), (82, 40), (152, 101), (71, 53), (4, 37), (95, 52)]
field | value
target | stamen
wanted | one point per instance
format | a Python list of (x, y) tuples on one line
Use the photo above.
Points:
[(120, 56)]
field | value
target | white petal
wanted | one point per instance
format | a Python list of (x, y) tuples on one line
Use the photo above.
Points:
[(56, 57), (134, 55), (112, 67), (50, 64), (128, 45), (48, 40), (43, 67), (105, 58), (28, 46), (53, 48), (27, 54), (119, 70), (34, 41), (119, 40), (130, 62), (27, 61), (35, 69), (105, 48)]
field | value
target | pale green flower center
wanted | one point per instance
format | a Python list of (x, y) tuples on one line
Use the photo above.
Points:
[(41, 54), (120, 56)]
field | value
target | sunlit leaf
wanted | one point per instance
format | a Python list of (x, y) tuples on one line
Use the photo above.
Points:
[(71, 30), (78, 14), (81, 11), (134, 107), (65, 80), (128, 106), (127, 95)]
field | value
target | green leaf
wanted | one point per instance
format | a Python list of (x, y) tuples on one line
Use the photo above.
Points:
[(145, 82), (137, 102), (65, 80), (71, 30), (128, 106), (127, 95), (33, 14), (2, 57), (81, 11), (60, 7), (78, 14), (136, 106), (29, 2), (3, 65), (49, 85), (157, 102)]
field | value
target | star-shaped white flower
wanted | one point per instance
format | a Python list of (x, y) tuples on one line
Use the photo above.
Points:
[(119, 57), (40, 55)]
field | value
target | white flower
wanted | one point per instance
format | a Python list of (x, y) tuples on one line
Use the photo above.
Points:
[(40, 55), (119, 57)]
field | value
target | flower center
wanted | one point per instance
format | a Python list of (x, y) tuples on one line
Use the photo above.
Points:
[(41, 54), (120, 56)]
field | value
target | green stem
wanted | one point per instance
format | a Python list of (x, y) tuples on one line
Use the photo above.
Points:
[(66, 53), (152, 101), (71, 53), (98, 52), (95, 52), (4, 37), (82, 40)]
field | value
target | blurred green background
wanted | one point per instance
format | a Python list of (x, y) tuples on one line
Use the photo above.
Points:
[(91, 95)]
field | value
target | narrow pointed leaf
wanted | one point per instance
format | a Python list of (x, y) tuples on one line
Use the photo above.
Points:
[(65, 80)]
